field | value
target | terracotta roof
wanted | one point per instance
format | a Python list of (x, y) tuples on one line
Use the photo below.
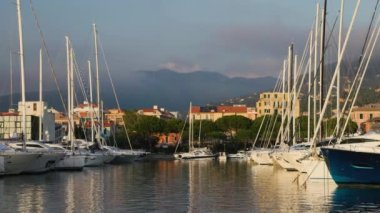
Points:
[(195, 109), (369, 107), (148, 110), (8, 113), (232, 109)]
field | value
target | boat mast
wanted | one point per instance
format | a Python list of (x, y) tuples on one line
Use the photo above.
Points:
[(91, 106), (309, 86), (68, 87), (322, 66), (11, 78), (97, 79), (315, 85), (22, 73), (41, 132), (294, 98), (338, 74), (190, 129), (72, 96), (283, 103), (288, 104)]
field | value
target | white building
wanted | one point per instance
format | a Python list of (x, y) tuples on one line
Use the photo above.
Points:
[(38, 109)]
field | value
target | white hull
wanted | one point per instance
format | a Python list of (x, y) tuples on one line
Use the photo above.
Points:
[(316, 170), (261, 157), (44, 162), (109, 157), (279, 161), (15, 162), (294, 159), (71, 162), (94, 159), (197, 153)]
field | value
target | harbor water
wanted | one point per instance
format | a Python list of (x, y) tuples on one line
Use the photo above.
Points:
[(180, 186)]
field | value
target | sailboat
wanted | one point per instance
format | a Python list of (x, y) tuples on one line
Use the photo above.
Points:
[(73, 159), (194, 153)]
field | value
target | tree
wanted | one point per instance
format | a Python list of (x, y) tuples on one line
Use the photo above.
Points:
[(231, 124)]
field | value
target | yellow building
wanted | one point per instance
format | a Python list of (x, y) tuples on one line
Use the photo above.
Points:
[(213, 113), (272, 102)]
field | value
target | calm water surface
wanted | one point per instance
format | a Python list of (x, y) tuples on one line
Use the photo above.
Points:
[(179, 186)]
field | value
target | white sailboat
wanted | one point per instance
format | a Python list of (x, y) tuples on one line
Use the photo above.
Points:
[(73, 159), (194, 153)]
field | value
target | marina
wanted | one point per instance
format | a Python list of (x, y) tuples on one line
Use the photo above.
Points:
[(309, 141)]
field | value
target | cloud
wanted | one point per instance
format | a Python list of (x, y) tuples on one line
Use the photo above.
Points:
[(180, 67)]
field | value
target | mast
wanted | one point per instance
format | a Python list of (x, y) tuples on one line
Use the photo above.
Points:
[(309, 86), (322, 67), (288, 104), (68, 67), (315, 85), (41, 104), (338, 74), (283, 102), (97, 78), (294, 98), (11, 77), (200, 129), (72, 97), (102, 120), (190, 129), (22, 73), (91, 107)]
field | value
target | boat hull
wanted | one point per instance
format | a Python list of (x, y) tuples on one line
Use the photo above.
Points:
[(352, 167), (71, 162), (44, 162), (93, 160), (15, 163), (261, 157), (120, 159)]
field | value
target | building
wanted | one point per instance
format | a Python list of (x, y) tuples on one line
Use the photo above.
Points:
[(39, 109), (366, 117), (271, 103), (161, 113), (115, 116), (213, 113), (170, 139)]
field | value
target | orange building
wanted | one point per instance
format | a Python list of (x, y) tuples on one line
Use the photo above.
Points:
[(170, 139), (115, 115), (366, 117)]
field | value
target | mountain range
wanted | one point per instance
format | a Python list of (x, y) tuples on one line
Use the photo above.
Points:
[(165, 88)]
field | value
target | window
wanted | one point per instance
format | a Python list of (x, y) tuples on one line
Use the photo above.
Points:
[(361, 115), (34, 106), (370, 116), (275, 95)]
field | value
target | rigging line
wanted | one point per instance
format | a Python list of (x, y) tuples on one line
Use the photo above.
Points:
[(369, 29), (180, 136), (364, 49), (265, 115), (52, 69), (113, 89), (79, 78), (268, 125)]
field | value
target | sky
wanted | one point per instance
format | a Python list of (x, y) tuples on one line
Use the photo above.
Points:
[(238, 38)]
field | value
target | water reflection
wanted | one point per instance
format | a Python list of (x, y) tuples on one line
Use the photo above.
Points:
[(356, 199), (179, 186)]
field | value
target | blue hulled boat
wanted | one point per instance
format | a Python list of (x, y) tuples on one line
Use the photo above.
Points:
[(357, 163)]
